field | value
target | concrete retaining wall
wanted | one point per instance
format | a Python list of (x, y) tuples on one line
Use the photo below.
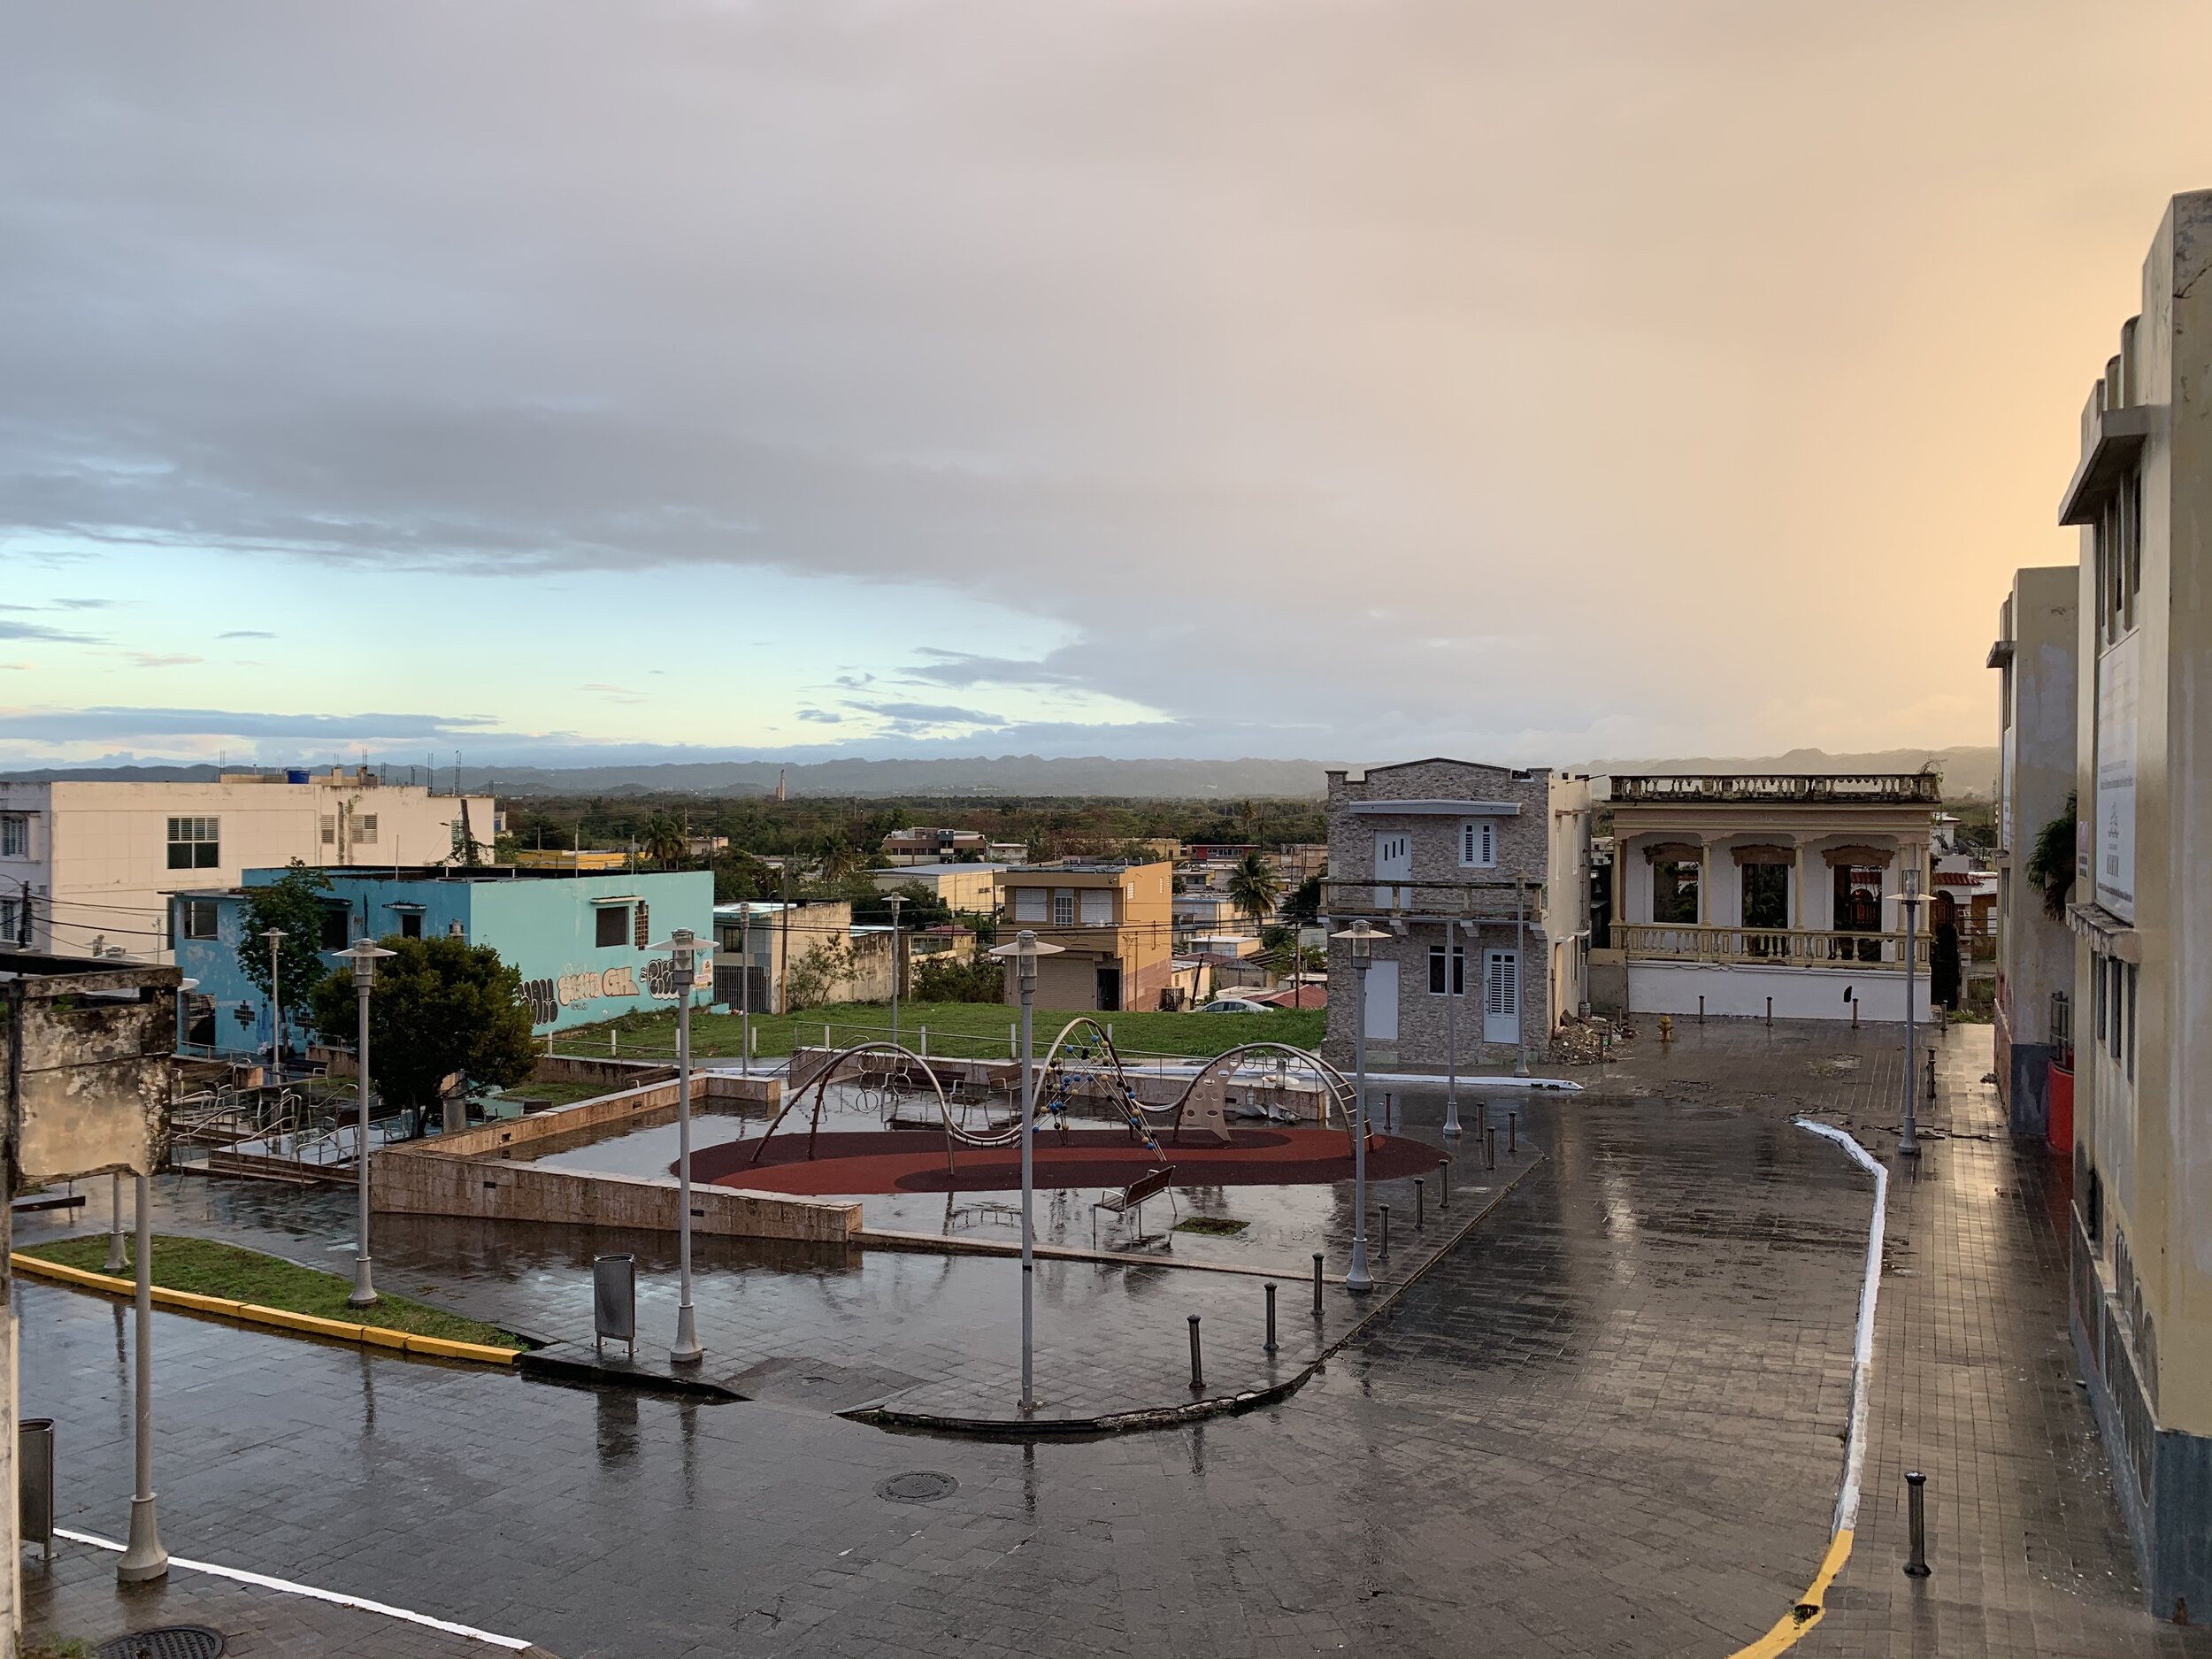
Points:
[(1740, 991), (407, 1181)]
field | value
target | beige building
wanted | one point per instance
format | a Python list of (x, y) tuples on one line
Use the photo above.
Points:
[(805, 954), (1112, 922), (921, 846), (1768, 894), (2035, 656), (2141, 913), (969, 888), (1480, 876), (96, 861)]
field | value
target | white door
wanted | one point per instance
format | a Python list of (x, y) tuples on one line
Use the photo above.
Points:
[(1502, 996), (1382, 1002), (1393, 856)]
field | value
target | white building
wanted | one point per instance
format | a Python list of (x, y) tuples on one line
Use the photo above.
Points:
[(86, 869), (2035, 652), (1768, 894)]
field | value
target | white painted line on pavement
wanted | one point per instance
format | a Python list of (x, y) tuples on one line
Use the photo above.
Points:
[(263, 1581), (1863, 1350)]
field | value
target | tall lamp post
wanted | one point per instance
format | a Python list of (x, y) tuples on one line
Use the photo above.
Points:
[(745, 988), (1454, 983), (1024, 953), (364, 954), (144, 1559), (895, 902), (1361, 938), (1908, 1141), (681, 947), (275, 936)]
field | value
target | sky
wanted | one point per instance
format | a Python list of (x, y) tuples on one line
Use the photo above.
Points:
[(1198, 378)]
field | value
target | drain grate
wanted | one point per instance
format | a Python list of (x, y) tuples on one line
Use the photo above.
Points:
[(923, 1486), (169, 1642)]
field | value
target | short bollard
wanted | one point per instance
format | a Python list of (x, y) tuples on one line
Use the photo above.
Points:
[(1197, 1371), (1917, 1502), (1270, 1318), (1482, 1115), (1513, 1133), (1386, 1232), (1444, 1184), (1317, 1284), (1420, 1204), (1489, 1148)]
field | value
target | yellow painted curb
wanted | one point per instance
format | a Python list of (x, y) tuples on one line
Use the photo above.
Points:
[(1808, 1611), (277, 1318)]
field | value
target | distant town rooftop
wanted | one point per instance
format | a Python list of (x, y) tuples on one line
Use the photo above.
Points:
[(1906, 789)]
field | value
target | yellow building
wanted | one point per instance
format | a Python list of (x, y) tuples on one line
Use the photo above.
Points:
[(969, 888), (1112, 922)]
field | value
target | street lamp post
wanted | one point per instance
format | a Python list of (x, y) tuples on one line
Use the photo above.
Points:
[(895, 902), (1451, 985), (364, 955), (682, 946), (1362, 938), (1908, 1140), (1520, 976), (275, 936), (144, 1559), (745, 987), (1024, 952)]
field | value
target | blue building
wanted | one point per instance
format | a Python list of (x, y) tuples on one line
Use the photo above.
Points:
[(579, 939)]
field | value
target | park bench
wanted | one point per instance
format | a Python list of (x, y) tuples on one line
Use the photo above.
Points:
[(1131, 1199)]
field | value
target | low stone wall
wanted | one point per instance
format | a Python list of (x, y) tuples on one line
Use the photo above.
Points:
[(522, 1137), (417, 1182), (616, 1074)]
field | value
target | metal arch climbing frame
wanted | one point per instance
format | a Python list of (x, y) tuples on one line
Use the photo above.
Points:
[(1340, 1093), (819, 1086), (1061, 1077)]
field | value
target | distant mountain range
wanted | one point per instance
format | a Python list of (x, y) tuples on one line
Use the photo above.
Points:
[(1968, 771)]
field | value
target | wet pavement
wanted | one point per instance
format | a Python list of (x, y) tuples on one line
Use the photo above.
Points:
[(1605, 1422)]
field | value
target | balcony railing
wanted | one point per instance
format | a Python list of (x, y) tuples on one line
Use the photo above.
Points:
[(1906, 788), (1495, 898), (1766, 946)]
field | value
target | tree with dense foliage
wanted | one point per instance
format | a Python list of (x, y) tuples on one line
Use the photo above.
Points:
[(295, 901), (919, 907), (439, 1006), (1254, 888), (2051, 866), (739, 876), (809, 981)]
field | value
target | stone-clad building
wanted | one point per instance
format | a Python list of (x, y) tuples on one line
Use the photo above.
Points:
[(1480, 876)]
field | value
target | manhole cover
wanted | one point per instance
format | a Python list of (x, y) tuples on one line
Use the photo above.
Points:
[(923, 1485), (170, 1641)]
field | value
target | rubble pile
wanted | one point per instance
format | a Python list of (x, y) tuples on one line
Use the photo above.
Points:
[(1587, 1042)]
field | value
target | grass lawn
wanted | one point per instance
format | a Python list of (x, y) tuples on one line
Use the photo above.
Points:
[(209, 1268), (961, 1030)]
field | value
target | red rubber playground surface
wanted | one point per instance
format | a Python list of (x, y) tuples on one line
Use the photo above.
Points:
[(913, 1160)]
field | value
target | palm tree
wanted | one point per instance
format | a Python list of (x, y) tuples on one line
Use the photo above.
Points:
[(840, 859), (664, 842), (1255, 888)]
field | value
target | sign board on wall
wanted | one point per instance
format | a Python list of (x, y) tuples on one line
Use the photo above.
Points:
[(2112, 846)]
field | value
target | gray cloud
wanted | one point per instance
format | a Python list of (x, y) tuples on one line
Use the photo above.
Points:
[(1237, 346), (39, 631), (119, 725), (821, 717), (246, 633), (929, 714)]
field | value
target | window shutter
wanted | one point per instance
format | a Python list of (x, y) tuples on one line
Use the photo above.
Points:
[(1436, 969)]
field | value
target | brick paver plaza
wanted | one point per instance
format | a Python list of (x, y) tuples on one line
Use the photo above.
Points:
[(1605, 1421)]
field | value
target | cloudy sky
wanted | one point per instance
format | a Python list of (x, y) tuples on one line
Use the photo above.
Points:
[(1146, 377)]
